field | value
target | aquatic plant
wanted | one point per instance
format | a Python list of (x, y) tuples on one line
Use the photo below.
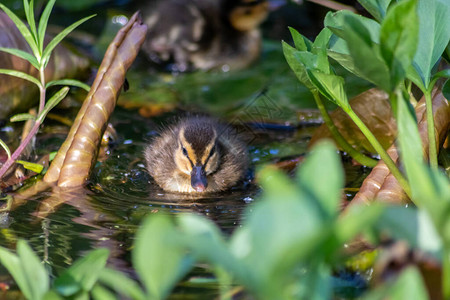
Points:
[(34, 34)]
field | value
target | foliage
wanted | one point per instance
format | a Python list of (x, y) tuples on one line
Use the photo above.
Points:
[(34, 34)]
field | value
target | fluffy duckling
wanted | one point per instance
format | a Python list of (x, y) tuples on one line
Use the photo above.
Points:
[(196, 155), (205, 34)]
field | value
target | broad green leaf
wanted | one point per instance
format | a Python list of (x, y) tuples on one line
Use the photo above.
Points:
[(323, 163), (398, 39), (409, 285), (159, 257), (43, 23), (434, 35), (35, 273), (413, 225), (54, 100), (296, 65), (301, 42), (22, 54), (52, 295), (21, 75), (22, 117), (6, 148), (83, 274), (377, 8), (446, 90), (29, 14), (101, 293), (122, 284), (58, 38), (14, 266), (37, 168), (71, 82), (23, 30), (331, 86)]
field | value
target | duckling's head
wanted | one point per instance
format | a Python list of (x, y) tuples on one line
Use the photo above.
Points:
[(246, 15), (197, 153)]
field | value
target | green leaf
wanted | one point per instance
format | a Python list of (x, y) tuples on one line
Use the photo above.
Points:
[(14, 266), (331, 86), (21, 75), (35, 274), (101, 293), (323, 162), (57, 39), (377, 8), (301, 42), (120, 283), (22, 117), (23, 30), (29, 14), (446, 89), (434, 36), (22, 54), (398, 39), (54, 100), (6, 148), (83, 274), (71, 82), (43, 23), (296, 65), (159, 257), (409, 285), (37, 168)]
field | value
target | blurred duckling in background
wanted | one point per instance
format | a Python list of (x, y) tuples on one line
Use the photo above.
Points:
[(205, 34), (197, 155)]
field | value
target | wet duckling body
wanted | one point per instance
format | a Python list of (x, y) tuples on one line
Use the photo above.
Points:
[(205, 34), (196, 155)]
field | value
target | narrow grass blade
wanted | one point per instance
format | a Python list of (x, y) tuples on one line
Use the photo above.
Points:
[(21, 117), (13, 264), (43, 21), (23, 30), (6, 148), (48, 50), (54, 100), (20, 75), (22, 54), (37, 168), (29, 14), (71, 82)]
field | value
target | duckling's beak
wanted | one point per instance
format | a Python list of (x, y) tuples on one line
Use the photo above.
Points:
[(198, 179)]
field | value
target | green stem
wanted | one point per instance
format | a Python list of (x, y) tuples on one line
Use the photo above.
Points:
[(432, 152), (380, 150), (359, 157), (446, 272)]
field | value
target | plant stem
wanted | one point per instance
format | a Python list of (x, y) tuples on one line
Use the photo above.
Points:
[(432, 152), (380, 150), (42, 90), (19, 149), (359, 157)]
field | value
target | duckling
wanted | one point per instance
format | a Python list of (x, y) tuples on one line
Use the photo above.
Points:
[(197, 155), (205, 34)]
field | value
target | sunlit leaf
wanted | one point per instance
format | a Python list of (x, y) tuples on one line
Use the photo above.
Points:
[(398, 39), (301, 42), (71, 82), (43, 23), (34, 271), (6, 148), (377, 8), (57, 39), (323, 163), (121, 284), (54, 100), (21, 75), (331, 86), (83, 274), (160, 261), (434, 35), (296, 65), (29, 14), (22, 54), (14, 266), (23, 29), (37, 168)]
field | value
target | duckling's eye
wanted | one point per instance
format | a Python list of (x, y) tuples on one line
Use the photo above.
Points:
[(184, 151)]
